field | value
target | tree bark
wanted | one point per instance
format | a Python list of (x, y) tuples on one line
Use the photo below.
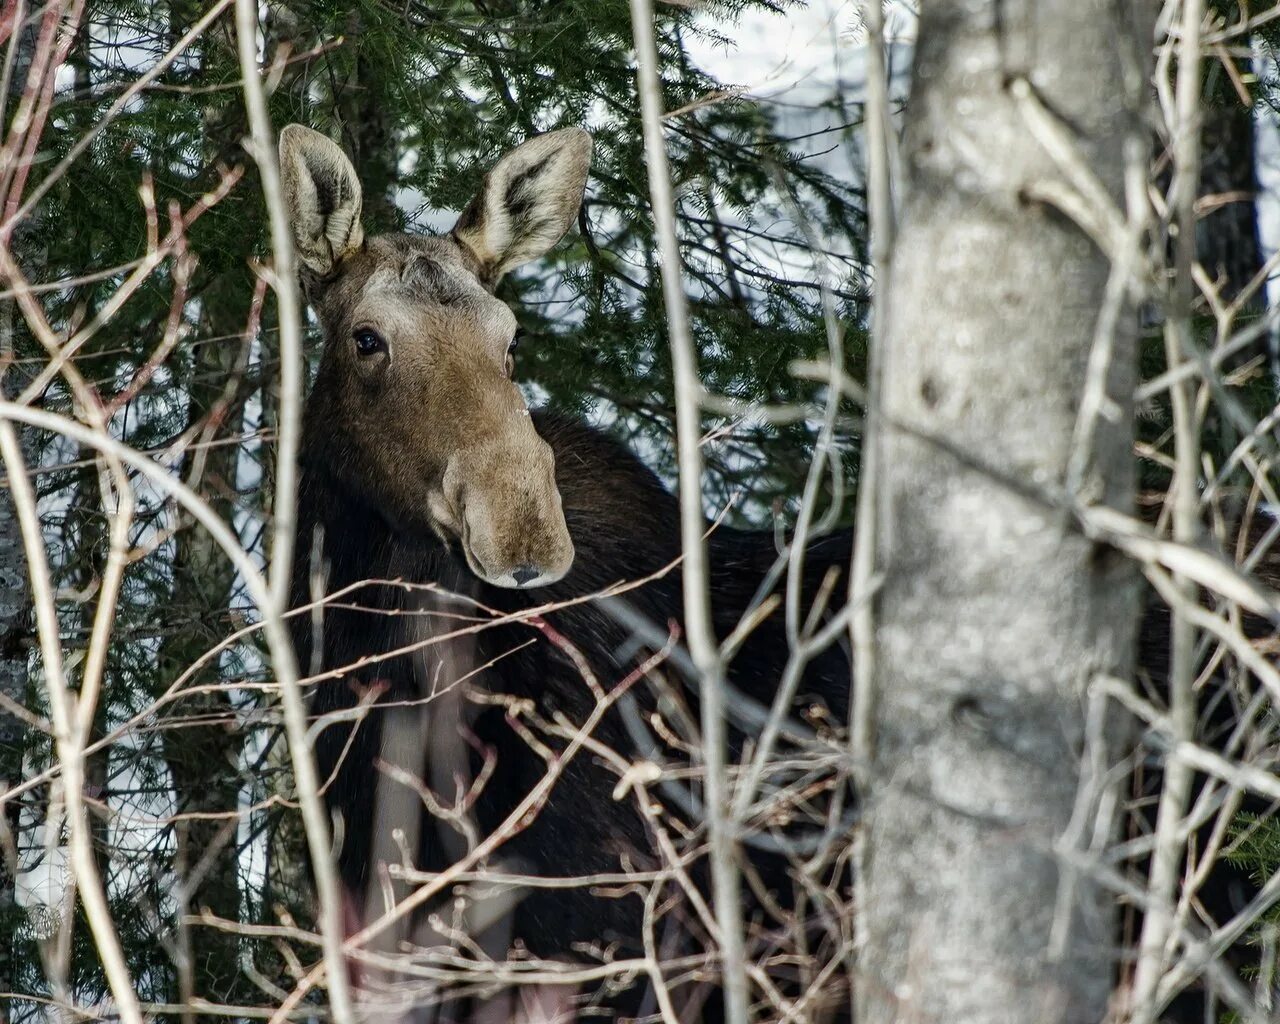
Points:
[(995, 612)]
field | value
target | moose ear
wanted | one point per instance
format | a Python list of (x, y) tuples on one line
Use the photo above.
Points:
[(322, 196), (526, 203)]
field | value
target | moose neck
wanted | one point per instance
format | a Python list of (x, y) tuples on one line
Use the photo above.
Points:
[(354, 541)]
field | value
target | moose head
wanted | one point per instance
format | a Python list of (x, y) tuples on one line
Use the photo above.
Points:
[(414, 397)]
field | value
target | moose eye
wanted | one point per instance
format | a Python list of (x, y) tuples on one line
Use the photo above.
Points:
[(368, 342), (510, 364)]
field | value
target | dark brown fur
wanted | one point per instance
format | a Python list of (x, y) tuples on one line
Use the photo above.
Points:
[(625, 527)]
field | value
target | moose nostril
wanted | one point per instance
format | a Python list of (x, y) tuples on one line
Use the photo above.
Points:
[(523, 574)]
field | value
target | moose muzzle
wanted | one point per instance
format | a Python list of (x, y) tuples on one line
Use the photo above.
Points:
[(507, 511)]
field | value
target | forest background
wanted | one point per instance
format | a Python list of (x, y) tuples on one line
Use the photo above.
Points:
[(143, 234)]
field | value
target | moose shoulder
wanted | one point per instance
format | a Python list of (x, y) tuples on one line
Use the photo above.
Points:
[(433, 499)]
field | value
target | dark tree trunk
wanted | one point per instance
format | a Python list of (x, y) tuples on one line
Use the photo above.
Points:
[(203, 756), (1227, 235), (1227, 244), (15, 631), (15, 595)]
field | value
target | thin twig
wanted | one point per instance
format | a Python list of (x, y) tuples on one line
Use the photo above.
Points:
[(1176, 785)]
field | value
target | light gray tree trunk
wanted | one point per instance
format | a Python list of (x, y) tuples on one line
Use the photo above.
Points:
[(995, 612)]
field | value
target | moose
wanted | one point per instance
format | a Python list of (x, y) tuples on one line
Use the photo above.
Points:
[(424, 474), (486, 595)]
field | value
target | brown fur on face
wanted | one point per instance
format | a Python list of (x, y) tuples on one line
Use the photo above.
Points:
[(414, 398)]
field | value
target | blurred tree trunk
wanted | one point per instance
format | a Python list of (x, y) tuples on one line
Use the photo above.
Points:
[(995, 612)]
